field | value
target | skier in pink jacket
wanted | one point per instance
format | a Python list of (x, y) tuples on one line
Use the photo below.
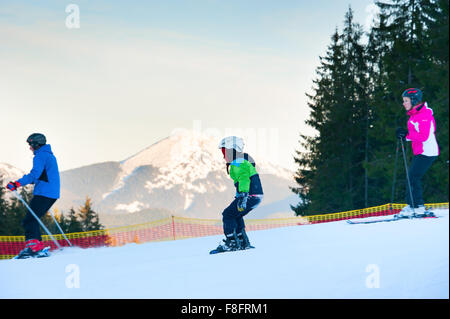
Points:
[(421, 133)]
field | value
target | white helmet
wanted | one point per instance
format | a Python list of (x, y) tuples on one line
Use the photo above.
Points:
[(232, 142)]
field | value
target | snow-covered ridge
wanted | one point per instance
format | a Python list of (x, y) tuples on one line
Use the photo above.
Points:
[(182, 159), (177, 151), (9, 173), (185, 158)]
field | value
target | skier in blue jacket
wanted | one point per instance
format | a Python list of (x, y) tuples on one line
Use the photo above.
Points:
[(45, 177)]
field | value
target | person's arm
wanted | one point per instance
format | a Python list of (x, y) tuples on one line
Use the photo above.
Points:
[(244, 177), (35, 173), (419, 130)]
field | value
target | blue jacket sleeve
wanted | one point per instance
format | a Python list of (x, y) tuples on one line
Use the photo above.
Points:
[(36, 171)]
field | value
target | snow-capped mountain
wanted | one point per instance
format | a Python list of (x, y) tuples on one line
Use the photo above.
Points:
[(183, 174), (9, 173)]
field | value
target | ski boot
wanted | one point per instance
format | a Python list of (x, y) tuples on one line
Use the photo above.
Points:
[(406, 212), (243, 240), (230, 243), (422, 212), (418, 212), (33, 249)]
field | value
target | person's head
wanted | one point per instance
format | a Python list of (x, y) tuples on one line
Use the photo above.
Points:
[(36, 140), (231, 147), (411, 98), (230, 154)]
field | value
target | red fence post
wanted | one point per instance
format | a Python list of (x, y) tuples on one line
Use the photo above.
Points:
[(173, 227)]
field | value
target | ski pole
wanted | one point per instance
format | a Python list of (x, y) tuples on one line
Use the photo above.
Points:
[(61, 231), (395, 175), (407, 176), (37, 218)]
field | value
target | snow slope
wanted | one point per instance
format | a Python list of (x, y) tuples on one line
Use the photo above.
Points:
[(402, 259)]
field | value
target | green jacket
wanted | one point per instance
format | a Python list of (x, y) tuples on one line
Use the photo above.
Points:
[(245, 177)]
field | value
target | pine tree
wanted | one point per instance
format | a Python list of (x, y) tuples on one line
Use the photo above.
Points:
[(331, 170), (73, 223), (435, 75), (89, 218), (3, 211), (15, 213), (383, 114), (312, 161), (358, 86), (61, 219)]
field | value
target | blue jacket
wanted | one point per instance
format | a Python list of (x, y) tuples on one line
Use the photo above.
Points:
[(44, 174)]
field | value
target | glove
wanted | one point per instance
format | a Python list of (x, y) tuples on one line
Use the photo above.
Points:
[(401, 133), (12, 186), (242, 201)]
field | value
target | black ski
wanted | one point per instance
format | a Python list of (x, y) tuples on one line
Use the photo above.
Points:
[(219, 251)]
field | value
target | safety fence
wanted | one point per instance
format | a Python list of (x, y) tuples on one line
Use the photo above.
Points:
[(174, 228)]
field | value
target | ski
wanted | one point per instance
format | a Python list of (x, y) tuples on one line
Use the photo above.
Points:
[(219, 251), (380, 219), (370, 220), (43, 253), (40, 254)]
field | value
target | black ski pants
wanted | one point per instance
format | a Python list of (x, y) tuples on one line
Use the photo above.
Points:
[(419, 166), (40, 206), (233, 219)]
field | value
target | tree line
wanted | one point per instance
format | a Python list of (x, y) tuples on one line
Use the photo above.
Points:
[(12, 212), (356, 106)]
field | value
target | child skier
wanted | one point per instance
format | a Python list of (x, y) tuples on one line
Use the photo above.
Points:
[(249, 194), (421, 132), (45, 177)]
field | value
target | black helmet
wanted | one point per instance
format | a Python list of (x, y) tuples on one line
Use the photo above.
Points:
[(414, 94), (36, 140)]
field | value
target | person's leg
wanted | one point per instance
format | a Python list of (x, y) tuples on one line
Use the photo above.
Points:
[(252, 203), (419, 166), (230, 215), (40, 206), (233, 221)]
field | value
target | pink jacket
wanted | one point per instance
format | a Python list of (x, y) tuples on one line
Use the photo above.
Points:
[(421, 129)]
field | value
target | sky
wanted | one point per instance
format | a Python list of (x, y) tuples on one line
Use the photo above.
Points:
[(106, 79)]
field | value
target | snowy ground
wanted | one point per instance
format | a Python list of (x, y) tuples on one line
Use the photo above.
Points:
[(402, 259)]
